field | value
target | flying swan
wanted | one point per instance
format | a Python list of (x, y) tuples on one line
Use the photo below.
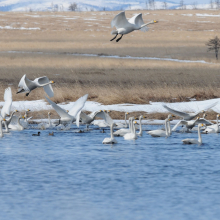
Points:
[(26, 85), (74, 112), (124, 26)]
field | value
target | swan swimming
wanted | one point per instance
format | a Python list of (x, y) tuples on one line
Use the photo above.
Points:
[(194, 141), (213, 128), (124, 26), (132, 135), (110, 140), (26, 85)]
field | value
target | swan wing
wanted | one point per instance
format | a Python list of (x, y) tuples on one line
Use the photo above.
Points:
[(204, 121), (78, 105), (61, 112), (14, 120), (175, 112), (25, 83), (41, 80), (138, 20), (84, 117), (8, 101), (119, 21), (49, 90), (210, 106), (108, 119), (177, 124)]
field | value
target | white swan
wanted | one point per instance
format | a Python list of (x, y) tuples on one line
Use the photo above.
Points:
[(190, 124), (161, 133), (132, 135), (194, 141), (110, 140), (107, 120), (188, 116), (1, 132), (16, 126), (88, 119), (124, 26), (213, 128), (140, 126), (121, 125), (121, 132), (26, 85), (8, 102), (74, 112), (25, 122)]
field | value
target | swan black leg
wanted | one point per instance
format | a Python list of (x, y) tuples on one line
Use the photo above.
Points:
[(119, 38), (114, 37)]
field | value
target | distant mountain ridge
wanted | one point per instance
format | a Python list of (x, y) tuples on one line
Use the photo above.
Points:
[(90, 5)]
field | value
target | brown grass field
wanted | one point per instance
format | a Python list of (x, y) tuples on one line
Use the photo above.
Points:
[(47, 51)]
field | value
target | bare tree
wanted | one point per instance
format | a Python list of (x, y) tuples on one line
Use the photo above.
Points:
[(181, 4), (147, 7), (194, 5), (214, 44), (153, 4), (165, 5), (217, 3), (211, 4), (73, 6)]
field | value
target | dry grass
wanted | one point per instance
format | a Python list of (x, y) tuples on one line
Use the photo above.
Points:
[(109, 80)]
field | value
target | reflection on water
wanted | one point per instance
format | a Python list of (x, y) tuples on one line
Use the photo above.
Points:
[(74, 176)]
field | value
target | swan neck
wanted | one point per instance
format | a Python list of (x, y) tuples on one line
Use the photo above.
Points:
[(140, 131), (1, 132), (126, 120), (111, 130), (167, 134), (146, 24), (49, 119), (217, 124), (199, 135)]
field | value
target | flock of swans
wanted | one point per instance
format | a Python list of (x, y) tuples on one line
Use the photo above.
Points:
[(10, 121), (128, 131)]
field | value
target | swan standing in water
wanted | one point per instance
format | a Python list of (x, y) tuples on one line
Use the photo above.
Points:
[(17, 126), (110, 140), (132, 135), (140, 126), (121, 132), (124, 26), (121, 125), (26, 85), (74, 112), (213, 128), (194, 141), (160, 133)]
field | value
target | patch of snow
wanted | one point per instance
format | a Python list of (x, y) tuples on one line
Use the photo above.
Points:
[(21, 28), (207, 15), (192, 106)]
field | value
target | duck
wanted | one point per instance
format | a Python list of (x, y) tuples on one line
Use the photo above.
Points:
[(51, 134), (38, 134)]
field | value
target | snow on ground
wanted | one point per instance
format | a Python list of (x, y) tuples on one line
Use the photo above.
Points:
[(20, 28), (153, 107), (207, 15)]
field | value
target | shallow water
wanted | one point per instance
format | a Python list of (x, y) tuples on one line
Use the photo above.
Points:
[(74, 176)]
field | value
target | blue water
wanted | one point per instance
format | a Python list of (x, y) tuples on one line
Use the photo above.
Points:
[(74, 176)]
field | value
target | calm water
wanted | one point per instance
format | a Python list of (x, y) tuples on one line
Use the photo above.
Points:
[(74, 176)]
